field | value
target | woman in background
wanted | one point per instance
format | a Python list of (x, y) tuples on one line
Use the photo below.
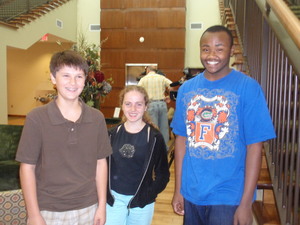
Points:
[(138, 167)]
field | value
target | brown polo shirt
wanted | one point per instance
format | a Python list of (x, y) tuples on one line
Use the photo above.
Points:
[(65, 154)]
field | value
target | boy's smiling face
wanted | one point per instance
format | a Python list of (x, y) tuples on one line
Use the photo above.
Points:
[(215, 53), (69, 82)]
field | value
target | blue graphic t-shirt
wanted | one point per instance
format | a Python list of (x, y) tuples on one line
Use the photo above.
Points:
[(219, 119)]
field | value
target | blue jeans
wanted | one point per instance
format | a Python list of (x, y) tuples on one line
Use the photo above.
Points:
[(159, 114), (208, 215), (119, 214)]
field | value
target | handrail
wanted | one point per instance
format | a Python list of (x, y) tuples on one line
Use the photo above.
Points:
[(287, 18), (272, 54)]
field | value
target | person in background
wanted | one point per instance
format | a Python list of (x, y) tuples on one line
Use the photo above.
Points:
[(63, 150), (156, 85), (138, 167), (220, 122), (144, 73)]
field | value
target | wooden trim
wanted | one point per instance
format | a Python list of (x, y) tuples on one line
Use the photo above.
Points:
[(9, 25), (287, 18), (13, 115)]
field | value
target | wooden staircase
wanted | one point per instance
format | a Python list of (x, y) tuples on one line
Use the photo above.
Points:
[(32, 14), (228, 21), (294, 8), (264, 209)]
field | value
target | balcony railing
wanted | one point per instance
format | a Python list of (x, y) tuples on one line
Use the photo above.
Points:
[(270, 34), (12, 8), (17, 13)]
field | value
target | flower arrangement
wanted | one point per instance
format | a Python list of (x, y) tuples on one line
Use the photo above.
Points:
[(96, 86)]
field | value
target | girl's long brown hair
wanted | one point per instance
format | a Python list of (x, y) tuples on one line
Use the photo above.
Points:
[(146, 118)]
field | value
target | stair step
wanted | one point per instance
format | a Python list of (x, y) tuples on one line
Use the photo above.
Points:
[(264, 179), (14, 26), (265, 214)]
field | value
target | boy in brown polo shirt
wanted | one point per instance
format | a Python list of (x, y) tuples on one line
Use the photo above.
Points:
[(62, 152)]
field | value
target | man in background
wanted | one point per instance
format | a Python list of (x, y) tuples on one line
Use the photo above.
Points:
[(156, 86)]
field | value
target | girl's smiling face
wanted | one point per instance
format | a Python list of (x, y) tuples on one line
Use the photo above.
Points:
[(134, 106)]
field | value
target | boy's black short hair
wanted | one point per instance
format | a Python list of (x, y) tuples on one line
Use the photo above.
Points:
[(220, 28), (68, 58)]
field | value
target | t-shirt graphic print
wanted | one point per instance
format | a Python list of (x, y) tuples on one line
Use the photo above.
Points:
[(209, 120)]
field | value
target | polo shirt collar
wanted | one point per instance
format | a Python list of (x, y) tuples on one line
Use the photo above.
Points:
[(151, 73), (57, 118)]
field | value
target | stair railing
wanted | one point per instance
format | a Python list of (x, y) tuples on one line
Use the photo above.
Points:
[(271, 45)]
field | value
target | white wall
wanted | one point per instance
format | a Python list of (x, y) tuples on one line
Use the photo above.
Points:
[(205, 12), (89, 13), (3, 85)]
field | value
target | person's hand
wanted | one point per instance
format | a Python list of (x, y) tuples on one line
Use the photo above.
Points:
[(167, 99), (100, 217), (178, 204), (243, 215), (36, 220)]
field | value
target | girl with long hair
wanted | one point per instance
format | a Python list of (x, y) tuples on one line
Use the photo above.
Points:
[(138, 167)]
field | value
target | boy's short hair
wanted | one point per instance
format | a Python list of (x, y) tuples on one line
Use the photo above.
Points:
[(68, 58), (220, 28)]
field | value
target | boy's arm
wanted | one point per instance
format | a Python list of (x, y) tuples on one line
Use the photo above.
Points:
[(243, 215), (28, 184), (177, 202), (101, 182)]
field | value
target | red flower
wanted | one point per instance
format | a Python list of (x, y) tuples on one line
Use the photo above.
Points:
[(99, 76)]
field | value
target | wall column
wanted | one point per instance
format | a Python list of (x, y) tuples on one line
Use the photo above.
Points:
[(3, 85)]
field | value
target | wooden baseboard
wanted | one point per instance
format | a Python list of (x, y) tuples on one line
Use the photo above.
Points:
[(11, 115)]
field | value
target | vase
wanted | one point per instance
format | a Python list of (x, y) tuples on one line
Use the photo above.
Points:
[(97, 102)]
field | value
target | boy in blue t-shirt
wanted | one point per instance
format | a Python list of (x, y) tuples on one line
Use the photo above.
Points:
[(220, 122)]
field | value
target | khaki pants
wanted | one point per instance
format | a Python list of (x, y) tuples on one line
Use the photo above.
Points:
[(73, 217)]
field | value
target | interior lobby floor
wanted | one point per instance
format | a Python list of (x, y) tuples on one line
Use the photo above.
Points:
[(163, 214)]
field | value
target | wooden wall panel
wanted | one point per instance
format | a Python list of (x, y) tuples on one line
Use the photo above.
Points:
[(170, 39), (108, 111), (133, 36), (112, 19), (116, 38), (141, 4), (120, 4), (118, 76), (173, 74), (171, 3), (171, 59), (141, 56), (156, 39), (110, 100), (141, 19), (111, 4), (112, 59), (165, 18)]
